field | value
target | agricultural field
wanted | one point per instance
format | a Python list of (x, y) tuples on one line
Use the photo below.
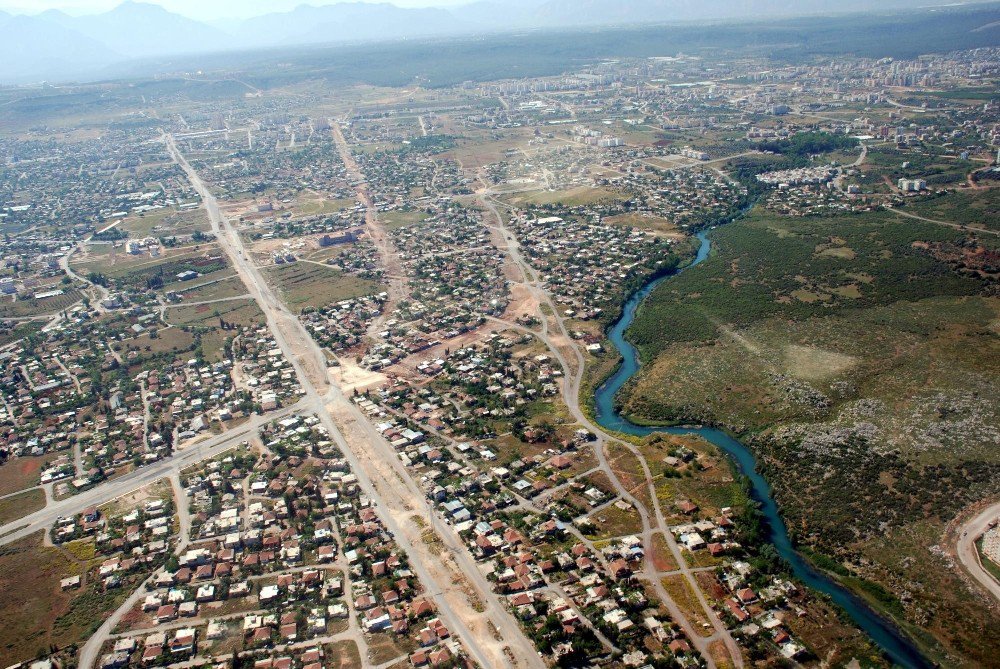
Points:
[(21, 308)]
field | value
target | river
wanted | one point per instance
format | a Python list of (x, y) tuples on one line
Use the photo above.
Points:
[(896, 646)]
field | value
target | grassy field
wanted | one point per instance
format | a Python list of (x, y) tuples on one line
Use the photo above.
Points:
[(478, 150), (165, 222), (321, 206), (573, 197), (652, 223), (989, 565), (306, 285), (680, 591), (238, 312), (385, 647), (21, 505), (214, 290), (168, 340), (29, 579), (393, 220)]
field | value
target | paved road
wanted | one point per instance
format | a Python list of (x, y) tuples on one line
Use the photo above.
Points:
[(956, 226), (968, 554), (143, 476), (457, 590), (89, 654), (651, 523)]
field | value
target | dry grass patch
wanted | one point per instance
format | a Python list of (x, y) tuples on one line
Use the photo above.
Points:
[(19, 506), (343, 655), (680, 591), (816, 364), (384, 648), (33, 600), (572, 197)]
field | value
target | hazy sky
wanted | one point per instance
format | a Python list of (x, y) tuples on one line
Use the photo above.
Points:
[(201, 9)]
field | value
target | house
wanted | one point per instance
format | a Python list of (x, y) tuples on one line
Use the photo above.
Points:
[(619, 569), (166, 613), (183, 641)]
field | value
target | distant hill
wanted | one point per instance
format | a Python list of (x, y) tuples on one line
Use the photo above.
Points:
[(55, 45), (345, 22), (552, 13), (138, 30), (32, 48)]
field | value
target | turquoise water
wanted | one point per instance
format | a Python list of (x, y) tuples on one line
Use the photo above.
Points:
[(891, 640)]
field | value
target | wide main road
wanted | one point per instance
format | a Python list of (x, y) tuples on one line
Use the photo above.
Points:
[(138, 478), (465, 600)]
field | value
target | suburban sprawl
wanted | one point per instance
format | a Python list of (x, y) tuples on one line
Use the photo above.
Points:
[(302, 375)]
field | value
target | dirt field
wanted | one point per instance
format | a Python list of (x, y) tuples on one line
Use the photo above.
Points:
[(20, 473), (349, 376), (523, 302), (310, 285)]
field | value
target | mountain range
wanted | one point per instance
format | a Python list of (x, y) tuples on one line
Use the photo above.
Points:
[(56, 45)]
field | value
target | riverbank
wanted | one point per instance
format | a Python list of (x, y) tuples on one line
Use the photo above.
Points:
[(890, 639)]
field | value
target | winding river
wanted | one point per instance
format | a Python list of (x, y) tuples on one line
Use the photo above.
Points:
[(893, 643)]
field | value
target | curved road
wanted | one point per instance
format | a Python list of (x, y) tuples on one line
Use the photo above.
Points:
[(969, 556)]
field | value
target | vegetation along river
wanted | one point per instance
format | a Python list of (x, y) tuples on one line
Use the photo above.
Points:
[(893, 643)]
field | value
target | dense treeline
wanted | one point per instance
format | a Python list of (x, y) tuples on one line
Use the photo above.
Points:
[(808, 144)]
